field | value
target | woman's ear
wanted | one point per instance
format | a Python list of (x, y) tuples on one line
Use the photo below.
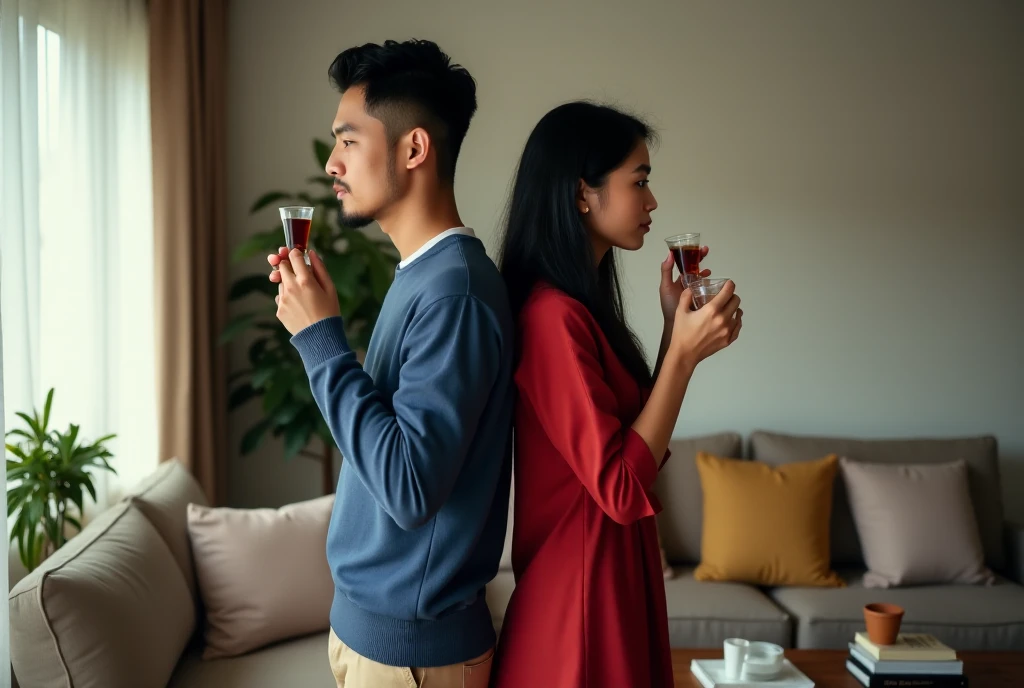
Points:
[(583, 195)]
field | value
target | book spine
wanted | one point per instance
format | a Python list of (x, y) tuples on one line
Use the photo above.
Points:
[(869, 666), (895, 681), (870, 680)]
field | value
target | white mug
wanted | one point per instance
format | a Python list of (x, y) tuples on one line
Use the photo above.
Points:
[(735, 655)]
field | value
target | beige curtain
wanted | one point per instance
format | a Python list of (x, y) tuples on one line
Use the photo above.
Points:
[(187, 42)]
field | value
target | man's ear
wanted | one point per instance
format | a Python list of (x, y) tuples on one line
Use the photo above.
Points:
[(416, 147)]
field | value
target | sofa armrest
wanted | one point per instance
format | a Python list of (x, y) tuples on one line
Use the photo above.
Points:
[(1014, 535)]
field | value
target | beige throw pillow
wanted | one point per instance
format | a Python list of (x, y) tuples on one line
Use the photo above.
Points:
[(263, 573), (916, 523)]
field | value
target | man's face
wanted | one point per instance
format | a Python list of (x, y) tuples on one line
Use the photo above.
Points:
[(361, 163)]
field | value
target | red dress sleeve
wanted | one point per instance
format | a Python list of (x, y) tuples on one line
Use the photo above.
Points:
[(561, 377)]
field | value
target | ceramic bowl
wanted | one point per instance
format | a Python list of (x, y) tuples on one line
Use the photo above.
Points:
[(763, 661)]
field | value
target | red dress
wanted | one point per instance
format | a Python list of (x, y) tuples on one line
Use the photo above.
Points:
[(589, 608)]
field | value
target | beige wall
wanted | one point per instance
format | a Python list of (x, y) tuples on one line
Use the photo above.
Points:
[(857, 168)]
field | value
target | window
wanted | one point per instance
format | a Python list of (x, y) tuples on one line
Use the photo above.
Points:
[(76, 233)]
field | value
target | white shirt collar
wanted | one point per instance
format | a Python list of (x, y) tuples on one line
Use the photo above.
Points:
[(465, 231)]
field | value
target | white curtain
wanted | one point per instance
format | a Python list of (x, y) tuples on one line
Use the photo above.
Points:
[(5, 610), (76, 230)]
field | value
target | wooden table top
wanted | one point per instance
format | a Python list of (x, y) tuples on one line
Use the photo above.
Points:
[(827, 668)]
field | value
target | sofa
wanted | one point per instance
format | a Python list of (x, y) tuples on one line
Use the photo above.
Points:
[(703, 614), (119, 604)]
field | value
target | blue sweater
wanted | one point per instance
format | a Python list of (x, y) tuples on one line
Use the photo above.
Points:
[(425, 429)]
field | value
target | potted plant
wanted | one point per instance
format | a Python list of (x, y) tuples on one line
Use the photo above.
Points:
[(48, 473), (361, 266)]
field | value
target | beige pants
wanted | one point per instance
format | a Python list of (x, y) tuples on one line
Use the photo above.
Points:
[(352, 670)]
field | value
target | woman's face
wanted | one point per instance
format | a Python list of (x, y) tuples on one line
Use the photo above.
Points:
[(619, 213)]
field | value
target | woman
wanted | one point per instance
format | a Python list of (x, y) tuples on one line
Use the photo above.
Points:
[(589, 604)]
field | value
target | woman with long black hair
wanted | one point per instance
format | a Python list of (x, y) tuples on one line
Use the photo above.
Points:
[(589, 604)]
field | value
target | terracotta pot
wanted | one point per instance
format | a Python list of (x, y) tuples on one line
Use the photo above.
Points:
[(883, 621)]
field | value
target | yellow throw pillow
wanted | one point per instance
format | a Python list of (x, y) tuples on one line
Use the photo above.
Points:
[(767, 525)]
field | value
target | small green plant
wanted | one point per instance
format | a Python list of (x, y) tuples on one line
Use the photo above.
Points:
[(362, 267), (47, 479)]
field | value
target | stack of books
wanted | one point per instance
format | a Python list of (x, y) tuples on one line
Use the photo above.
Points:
[(915, 659)]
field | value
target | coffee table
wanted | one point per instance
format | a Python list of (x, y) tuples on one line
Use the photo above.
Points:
[(827, 668)]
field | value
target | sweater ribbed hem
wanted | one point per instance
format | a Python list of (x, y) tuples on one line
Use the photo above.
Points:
[(321, 341), (453, 639)]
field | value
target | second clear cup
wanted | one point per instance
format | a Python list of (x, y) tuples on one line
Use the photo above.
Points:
[(705, 289)]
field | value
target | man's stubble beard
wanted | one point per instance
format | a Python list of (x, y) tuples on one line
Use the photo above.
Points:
[(356, 221)]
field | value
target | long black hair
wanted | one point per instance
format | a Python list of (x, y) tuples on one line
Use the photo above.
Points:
[(545, 239)]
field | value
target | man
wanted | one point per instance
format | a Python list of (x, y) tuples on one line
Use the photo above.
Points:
[(424, 425)]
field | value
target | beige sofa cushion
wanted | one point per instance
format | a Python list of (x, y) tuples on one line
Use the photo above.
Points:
[(965, 617), (301, 663), (263, 573), (982, 471), (678, 488), (163, 497), (915, 523), (110, 609), (704, 614)]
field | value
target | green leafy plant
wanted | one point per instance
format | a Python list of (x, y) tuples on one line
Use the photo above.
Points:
[(46, 481), (361, 266)]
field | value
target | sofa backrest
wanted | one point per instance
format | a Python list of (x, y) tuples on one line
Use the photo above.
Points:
[(109, 609), (678, 488), (983, 475)]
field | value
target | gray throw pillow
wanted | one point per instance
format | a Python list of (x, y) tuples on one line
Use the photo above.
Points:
[(916, 523)]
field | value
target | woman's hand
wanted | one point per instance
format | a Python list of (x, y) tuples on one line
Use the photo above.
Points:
[(672, 289), (701, 333)]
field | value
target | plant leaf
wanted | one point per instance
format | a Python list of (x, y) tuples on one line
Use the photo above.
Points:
[(278, 388), (16, 496), (237, 374), (296, 436), (240, 395), (32, 424), (322, 151), (268, 198), (237, 325), (37, 552), (17, 471), (257, 349), (288, 411), (261, 376), (76, 497), (263, 242), (254, 436), (244, 286), (46, 409)]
